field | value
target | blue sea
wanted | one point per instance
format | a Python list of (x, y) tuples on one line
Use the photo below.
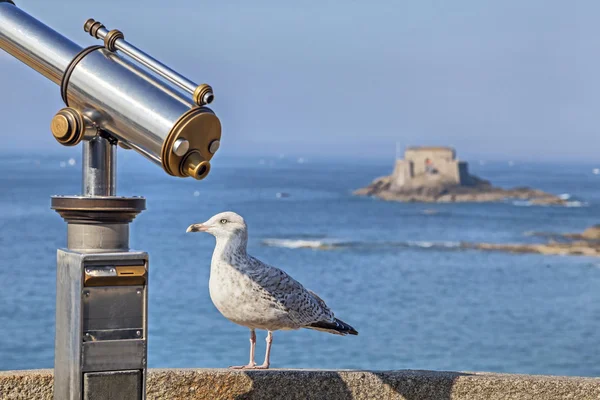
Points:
[(391, 270)]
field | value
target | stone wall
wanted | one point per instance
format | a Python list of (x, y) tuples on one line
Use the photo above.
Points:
[(403, 172), (442, 157), (192, 384), (459, 172), (414, 164)]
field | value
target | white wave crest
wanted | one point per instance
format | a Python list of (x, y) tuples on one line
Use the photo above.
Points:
[(330, 244), (526, 203), (576, 204), (300, 243), (428, 245)]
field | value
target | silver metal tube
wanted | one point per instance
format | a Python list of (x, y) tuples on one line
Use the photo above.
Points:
[(169, 90), (34, 43), (97, 237), (124, 104), (151, 63), (99, 168)]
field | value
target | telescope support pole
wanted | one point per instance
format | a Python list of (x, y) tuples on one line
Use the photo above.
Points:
[(101, 289), (99, 167)]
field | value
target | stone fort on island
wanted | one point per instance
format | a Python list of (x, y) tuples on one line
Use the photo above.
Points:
[(439, 163)]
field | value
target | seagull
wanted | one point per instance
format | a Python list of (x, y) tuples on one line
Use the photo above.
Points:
[(253, 294)]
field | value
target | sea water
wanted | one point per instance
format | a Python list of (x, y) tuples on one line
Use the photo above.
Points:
[(393, 271)]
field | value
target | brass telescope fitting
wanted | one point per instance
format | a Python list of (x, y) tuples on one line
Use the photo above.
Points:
[(185, 152), (203, 95), (68, 127), (195, 166), (91, 26), (110, 39)]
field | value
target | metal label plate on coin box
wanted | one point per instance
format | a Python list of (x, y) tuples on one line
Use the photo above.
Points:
[(115, 275), (113, 307), (112, 355)]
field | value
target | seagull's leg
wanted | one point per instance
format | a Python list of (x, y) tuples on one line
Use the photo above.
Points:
[(251, 364), (252, 347), (266, 364)]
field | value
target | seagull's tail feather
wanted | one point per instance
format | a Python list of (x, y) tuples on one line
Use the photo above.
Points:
[(337, 327)]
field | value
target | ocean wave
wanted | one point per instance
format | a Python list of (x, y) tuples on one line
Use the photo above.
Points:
[(301, 243), (331, 244), (443, 244), (527, 203), (576, 203)]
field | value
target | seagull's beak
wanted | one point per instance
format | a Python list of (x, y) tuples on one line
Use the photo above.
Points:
[(197, 228)]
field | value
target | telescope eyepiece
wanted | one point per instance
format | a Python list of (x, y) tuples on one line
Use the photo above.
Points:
[(203, 95), (195, 166), (202, 170), (208, 98)]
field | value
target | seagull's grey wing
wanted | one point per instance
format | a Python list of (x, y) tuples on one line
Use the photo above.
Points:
[(303, 306), (321, 302)]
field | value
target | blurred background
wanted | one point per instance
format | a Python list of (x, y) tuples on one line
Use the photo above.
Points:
[(315, 99)]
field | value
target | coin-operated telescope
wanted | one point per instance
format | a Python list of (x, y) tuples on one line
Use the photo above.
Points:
[(115, 94)]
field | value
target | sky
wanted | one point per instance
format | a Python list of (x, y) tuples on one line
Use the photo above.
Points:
[(510, 79)]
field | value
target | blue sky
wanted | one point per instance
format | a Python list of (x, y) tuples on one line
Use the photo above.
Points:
[(508, 79)]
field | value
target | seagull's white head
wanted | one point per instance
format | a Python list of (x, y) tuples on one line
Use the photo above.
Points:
[(223, 225)]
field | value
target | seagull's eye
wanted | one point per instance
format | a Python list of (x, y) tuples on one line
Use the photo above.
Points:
[(223, 221)]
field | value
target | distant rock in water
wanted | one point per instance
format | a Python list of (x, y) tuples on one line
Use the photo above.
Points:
[(577, 248), (586, 243), (433, 174), (592, 234)]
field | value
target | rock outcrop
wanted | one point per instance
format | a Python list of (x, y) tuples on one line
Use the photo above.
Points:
[(433, 174), (578, 248), (586, 243), (427, 190)]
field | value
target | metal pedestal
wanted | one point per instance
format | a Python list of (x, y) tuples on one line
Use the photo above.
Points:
[(101, 290)]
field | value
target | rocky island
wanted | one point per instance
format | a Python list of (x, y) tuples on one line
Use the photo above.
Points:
[(433, 174)]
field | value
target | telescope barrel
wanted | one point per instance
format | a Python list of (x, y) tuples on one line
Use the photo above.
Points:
[(118, 97), (34, 43)]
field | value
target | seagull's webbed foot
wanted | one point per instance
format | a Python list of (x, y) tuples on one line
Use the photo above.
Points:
[(247, 366), (251, 366)]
